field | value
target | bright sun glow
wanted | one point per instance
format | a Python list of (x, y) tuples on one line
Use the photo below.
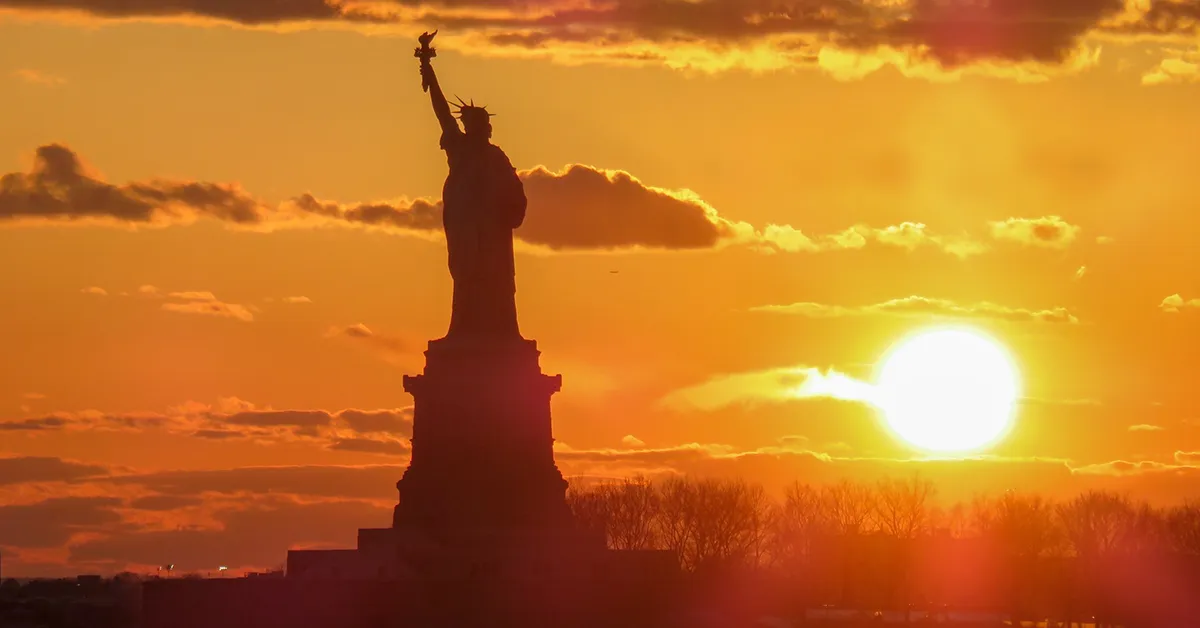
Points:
[(949, 390)]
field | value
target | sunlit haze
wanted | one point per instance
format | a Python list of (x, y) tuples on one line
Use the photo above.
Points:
[(835, 243)]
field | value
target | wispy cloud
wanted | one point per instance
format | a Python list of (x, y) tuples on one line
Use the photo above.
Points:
[(924, 306), (36, 77), (773, 385), (1177, 66), (1175, 304), (1047, 231)]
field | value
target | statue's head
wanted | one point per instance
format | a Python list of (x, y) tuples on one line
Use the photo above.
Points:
[(476, 121)]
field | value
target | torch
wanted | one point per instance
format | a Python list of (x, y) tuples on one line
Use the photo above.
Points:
[(425, 52)]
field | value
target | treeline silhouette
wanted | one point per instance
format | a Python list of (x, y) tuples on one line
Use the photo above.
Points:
[(1102, 556)]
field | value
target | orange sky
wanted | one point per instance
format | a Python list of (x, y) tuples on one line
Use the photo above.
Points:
[(169, 290)]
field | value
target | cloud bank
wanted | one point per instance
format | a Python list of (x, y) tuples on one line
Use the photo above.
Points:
[(579, 208), (926, 307), (842, 36)]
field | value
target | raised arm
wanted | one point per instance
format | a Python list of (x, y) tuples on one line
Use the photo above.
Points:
[(440, 107)]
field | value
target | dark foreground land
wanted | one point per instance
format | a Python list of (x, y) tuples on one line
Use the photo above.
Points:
[(90, 602)]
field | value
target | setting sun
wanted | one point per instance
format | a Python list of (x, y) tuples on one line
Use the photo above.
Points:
[(948, 390)]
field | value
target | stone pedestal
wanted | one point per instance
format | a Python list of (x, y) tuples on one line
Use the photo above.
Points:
[(483, 522), (482, 448)]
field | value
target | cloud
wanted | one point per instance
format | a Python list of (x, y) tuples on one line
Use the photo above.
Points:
[(33, 424), (278, 418), (24, 469), (1178, 66), (234, 11), (60, 188), (100, 292), (923, 37), (211, 308), (165, 502), (629, 440), (1175, 304), (377, 482), (393, 348), (957, 478), (33, 396), (371, 446), (35, 77), (1047, 231), (924, 306), (237, 419), (378, 421), (908, 236), (771, 386), (1188, 457), (52, 522), (297, 300), (580, 208), (1079, 274), (202, 302), (1145, 427)]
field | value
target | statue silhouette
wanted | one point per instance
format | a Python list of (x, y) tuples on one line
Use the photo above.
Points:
[(483, 200)]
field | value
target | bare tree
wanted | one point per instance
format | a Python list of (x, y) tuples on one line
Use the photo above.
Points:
[(902, 506), (1183, 528), (588, 507), (709, 522), (1144, 531), (955, 520), (1095, 522), (1021, 525), (849, 507), (632, 509), (800, 525)]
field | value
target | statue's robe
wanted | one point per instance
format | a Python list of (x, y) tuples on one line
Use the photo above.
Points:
[(483, 200)]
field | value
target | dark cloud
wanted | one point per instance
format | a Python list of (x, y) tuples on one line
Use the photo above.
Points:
[(51, 522), (945, 34), (165, 502), (371, 446), (19, 470), (59, 188), (951, 33), (239, 11), (217, 434), (276, 418), (34, 424), (397, 422), (579, 208), (266, 425), (587, 208), (366, 482)]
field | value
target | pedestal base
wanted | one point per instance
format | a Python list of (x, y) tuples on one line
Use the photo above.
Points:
[(482, 449)]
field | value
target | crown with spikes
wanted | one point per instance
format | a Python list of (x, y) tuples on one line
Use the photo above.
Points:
[(466, 109)]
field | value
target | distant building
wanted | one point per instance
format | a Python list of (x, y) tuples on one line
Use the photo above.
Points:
[(373, 559)]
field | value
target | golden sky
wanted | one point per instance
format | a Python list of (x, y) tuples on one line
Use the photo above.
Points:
[(219, 247)]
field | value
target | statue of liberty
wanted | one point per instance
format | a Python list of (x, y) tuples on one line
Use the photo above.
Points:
[(483, 201)]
